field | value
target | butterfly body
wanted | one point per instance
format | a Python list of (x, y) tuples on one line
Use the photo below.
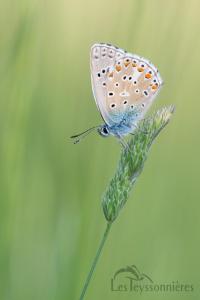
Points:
[(124, 86), (126, 126)]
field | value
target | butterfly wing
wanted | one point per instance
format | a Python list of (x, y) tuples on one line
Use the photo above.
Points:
[(124, 84), (102, 60)]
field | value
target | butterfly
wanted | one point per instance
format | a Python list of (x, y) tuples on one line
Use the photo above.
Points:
[(124, 86)]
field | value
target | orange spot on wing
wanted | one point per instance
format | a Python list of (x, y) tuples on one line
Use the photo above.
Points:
[(140, 69), (154, 87), (127, 63), (148, 76), (110, 74), (134, 65), (118, 68)]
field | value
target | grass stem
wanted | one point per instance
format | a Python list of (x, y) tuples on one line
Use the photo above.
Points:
[(95, 261)]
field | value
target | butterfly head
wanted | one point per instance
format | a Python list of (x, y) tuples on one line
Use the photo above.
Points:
[(104, 130)]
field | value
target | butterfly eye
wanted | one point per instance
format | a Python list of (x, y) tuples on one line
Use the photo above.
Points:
[(103, 131)]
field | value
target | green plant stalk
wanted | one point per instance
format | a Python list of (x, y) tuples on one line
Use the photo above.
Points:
[(129, 168), (132, 161), (96, 258)]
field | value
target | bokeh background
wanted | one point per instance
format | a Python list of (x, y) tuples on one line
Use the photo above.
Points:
[(51, 219)]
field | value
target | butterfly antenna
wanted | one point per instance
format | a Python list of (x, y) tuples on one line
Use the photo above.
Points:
[(80, 136)]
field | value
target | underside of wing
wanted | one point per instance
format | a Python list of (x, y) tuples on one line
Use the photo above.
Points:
[(131, 87), (124, 84), (102, 60)]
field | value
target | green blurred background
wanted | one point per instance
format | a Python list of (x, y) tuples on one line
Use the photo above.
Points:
[(51, 219)]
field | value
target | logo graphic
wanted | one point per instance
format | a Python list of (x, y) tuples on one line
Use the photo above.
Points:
[(130, 279), (123, 278)]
